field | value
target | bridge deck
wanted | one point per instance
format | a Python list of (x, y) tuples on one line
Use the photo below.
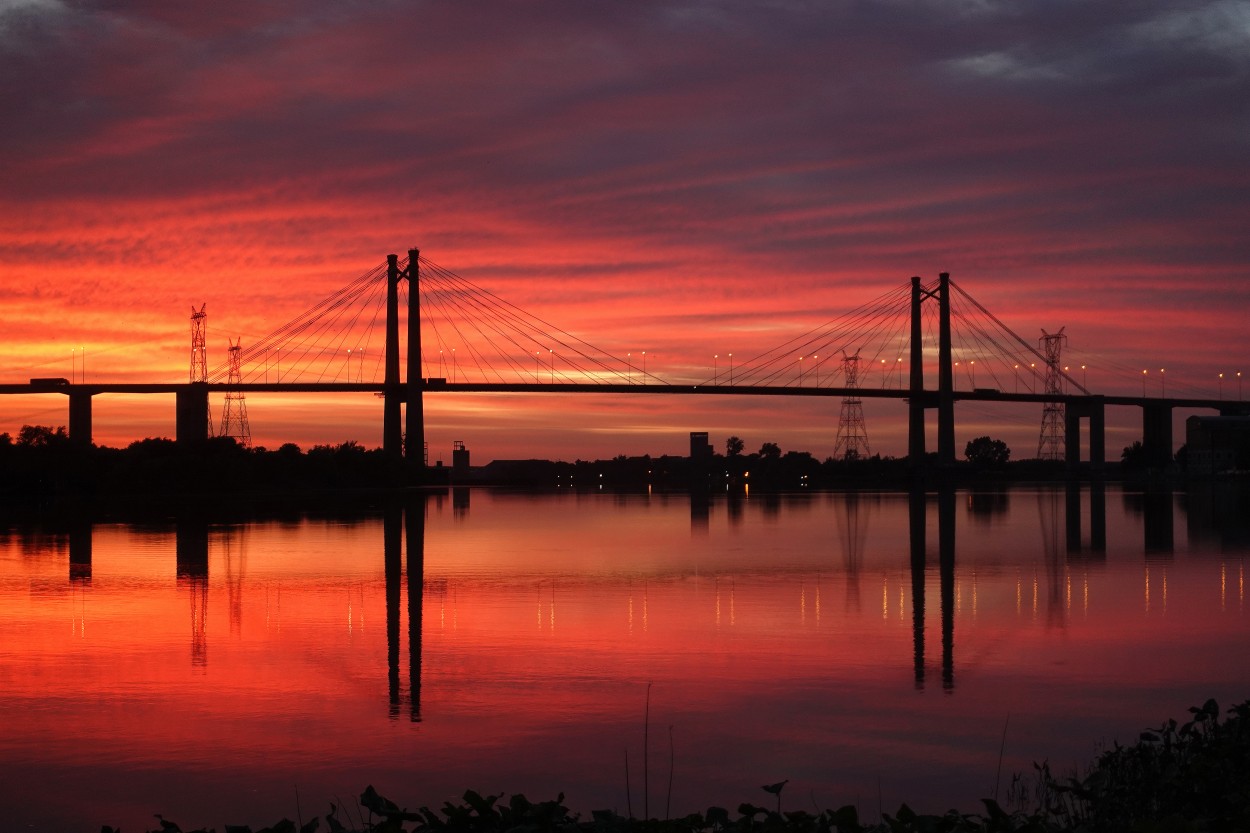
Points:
[(437, 387)]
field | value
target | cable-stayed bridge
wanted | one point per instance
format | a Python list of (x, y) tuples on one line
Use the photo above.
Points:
[(930, 344)]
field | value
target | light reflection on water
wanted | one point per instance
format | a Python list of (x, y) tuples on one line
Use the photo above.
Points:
[(870, 647)]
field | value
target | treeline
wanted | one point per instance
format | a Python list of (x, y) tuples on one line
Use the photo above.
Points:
[(41, 467)]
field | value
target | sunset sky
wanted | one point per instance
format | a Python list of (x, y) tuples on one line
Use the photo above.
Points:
[(684, 178)]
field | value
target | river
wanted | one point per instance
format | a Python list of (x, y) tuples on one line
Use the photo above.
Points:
[(646, 653)]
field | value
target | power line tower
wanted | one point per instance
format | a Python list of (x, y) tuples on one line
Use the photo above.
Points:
[(852, 435), (1050, 445), (234, 419), (199, 354)]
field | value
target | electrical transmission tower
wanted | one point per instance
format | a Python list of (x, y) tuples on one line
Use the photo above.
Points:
[(1050, 445), (199, 354), (234, 420), (852, 435)]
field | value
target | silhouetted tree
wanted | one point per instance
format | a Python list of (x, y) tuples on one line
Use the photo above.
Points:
[(41, 436), (770, 451), (1134, 456), (734, 446), (984, 453)]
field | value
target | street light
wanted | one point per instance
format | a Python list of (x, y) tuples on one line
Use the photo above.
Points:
[(716, 368), (553, 364), (644, 367), (731, 370), (800, 371), (1084, 378), (1221, 386), (1016, 372), (816, 361), (1143, 384), (972, 371), (1163, 383)]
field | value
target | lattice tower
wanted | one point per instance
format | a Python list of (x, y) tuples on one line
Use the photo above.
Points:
[(852, 441), (199, 357), (234, 419), (1051, 443), (199, 353)]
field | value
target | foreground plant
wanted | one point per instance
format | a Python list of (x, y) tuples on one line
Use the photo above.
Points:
[(1192, 776)]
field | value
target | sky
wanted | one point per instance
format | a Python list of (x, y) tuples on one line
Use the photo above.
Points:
[(686, 178)]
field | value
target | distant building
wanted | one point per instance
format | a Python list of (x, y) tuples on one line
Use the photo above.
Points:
[(459, 460), (700, 448), (1215, 444)]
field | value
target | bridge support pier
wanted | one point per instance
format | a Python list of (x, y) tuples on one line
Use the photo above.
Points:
[(192, 414), (1157, 434), (80, 417), (1092, 408)]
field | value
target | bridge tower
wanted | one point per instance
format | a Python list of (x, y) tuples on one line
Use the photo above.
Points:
[(919, 399), (199, 354), (414, 413), (404, 442), (1050, 444), (234, 419), (852, 441)]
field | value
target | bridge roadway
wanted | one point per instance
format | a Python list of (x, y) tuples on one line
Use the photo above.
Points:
[(437, 386), (192, 403)]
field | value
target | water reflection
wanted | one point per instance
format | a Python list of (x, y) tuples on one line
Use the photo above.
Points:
[(740, 624), (918, 503), (80, 550), (191, 548), (404, 528)]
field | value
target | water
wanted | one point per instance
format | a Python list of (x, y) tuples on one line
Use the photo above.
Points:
[(237, 673)]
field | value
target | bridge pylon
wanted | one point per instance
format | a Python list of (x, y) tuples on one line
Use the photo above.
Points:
[(414, 413), (920, 399), (404, 442)]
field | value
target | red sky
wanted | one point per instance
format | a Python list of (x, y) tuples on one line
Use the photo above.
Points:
[(688, 179)]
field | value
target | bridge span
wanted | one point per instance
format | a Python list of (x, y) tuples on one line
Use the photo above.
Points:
[(192, 402)]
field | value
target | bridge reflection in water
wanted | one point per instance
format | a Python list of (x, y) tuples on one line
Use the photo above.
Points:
[(1062, 513), (404, 530)]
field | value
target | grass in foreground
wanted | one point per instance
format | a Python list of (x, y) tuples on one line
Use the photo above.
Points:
[(1191, 776)]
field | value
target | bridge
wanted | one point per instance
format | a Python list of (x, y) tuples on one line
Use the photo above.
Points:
[(497, 339)]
